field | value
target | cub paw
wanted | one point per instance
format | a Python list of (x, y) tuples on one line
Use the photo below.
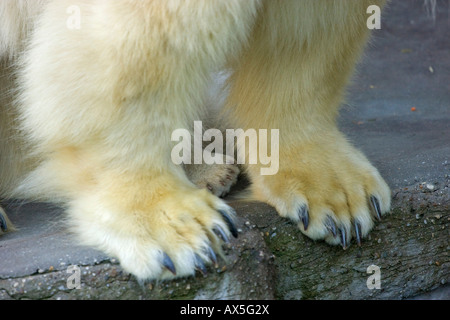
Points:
[(217, 178), (171, 231), (330, 190)]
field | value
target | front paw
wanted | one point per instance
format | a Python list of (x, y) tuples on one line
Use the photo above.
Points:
[(329, 189), (170, 231)]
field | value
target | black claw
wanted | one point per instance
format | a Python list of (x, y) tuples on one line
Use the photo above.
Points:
[(358, 233), (331, 226), (168, 264), (3, 224), (200, 265), (303, 214), (343, 236), (230, 223), (221, 234), (212, 256), (376, 207)]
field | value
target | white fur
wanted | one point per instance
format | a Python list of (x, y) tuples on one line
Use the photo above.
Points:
[(97, 106)]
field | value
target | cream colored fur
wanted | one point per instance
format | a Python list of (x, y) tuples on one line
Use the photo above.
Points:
[(97, 106), (17, 20)]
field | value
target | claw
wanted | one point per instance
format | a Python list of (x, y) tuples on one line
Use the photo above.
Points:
[(212, 256), (221, 234), (376, 207), (168, 264), (3, 224), (358, 233), (229, 222), (343, 234), (200, 265), (303, 214), (331, 226)]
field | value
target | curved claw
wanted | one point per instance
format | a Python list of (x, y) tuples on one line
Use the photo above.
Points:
[(343, 237), (199, 264), (221, 234), (3, 224), (376, 207), (230, 223), (358, 233), (331, 226), (303, 215), (168, 264), (212, 256)]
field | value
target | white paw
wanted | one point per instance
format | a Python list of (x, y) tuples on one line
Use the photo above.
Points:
[(331, 192), (172, 234)]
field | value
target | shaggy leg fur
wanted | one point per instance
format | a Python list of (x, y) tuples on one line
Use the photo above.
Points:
[(292, 78), (99, 104)]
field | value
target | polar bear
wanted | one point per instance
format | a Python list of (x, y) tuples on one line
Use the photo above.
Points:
[(99, 87)]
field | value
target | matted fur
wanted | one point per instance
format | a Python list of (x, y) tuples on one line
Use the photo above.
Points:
[(97, 106)]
